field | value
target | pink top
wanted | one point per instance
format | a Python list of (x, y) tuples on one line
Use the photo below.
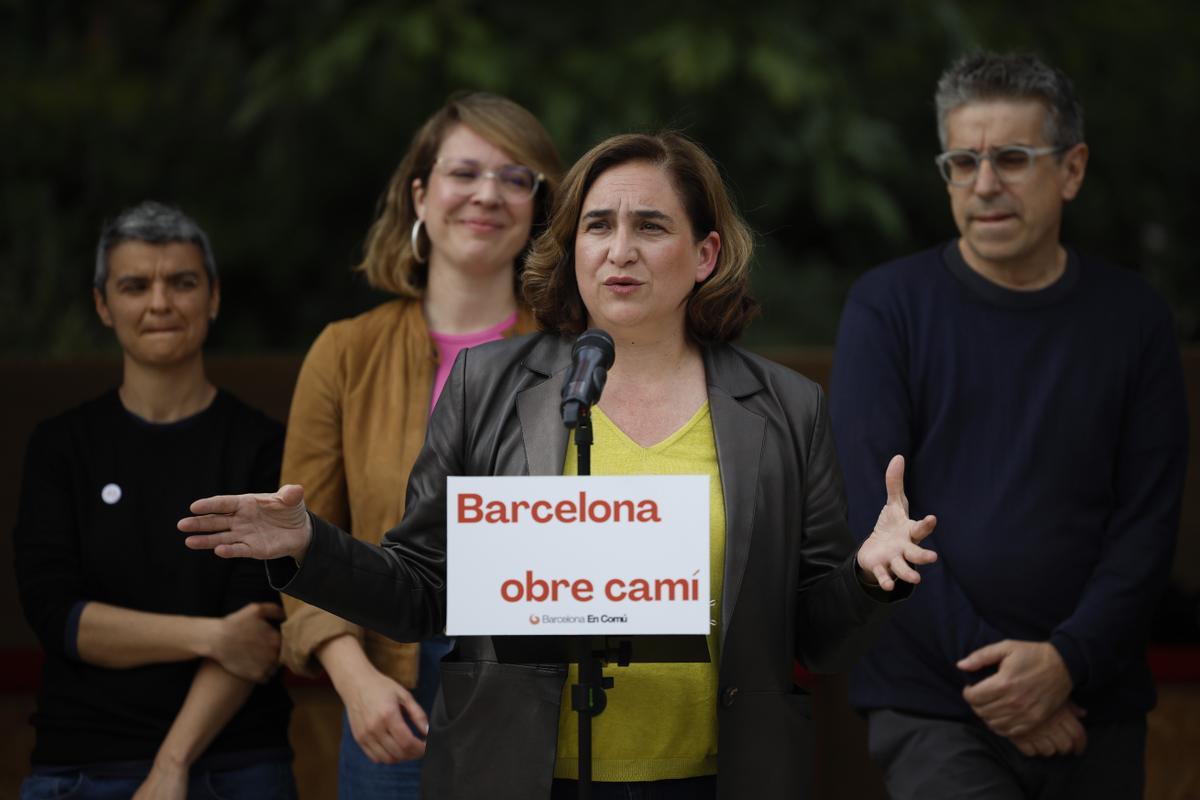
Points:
[(449, 344)]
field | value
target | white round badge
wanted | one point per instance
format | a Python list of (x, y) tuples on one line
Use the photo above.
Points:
[(111, 493)]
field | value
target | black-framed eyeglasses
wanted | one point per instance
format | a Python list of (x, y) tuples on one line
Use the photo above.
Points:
[(515, 182), (1012, 163)]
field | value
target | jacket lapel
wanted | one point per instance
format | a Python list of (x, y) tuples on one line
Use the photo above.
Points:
[(739, 436), (542, 429)]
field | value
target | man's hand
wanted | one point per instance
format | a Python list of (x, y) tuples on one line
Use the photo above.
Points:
[(246, 643), (892, 548), (262, 526), (1062, 734), (1030, 684), (376, 706)]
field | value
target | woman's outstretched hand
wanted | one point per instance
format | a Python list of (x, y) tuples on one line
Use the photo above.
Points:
[(892, 549), (262, 526)]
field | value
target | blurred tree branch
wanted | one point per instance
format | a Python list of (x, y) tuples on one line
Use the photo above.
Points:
[(278, 126)]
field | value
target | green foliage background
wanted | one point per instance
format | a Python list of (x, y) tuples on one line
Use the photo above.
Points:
[(277, 125)]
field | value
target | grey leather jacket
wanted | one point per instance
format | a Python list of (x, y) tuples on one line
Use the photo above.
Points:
[(791, 591)]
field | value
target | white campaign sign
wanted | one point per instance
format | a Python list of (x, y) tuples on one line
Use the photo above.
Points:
[(557, 555)]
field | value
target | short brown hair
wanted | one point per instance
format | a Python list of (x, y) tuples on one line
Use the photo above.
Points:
[(718, 309), (388, 260)]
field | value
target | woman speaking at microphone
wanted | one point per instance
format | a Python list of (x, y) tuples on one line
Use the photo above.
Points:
[(645, 244)]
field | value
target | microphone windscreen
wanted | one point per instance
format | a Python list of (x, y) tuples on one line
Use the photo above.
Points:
[(599, 339)]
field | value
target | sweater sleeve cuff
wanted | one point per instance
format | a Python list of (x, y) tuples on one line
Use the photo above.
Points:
[(71, 630), (306, 629), (1074, 658)]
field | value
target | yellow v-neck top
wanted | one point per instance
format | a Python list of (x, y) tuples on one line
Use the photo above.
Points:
[(661, 719)]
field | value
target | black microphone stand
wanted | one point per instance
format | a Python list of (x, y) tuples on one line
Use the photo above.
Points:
[(587, 696), (591, 357)]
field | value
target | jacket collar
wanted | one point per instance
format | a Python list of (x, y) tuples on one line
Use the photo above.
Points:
[(542, 429), (550, 355), (726, 370)]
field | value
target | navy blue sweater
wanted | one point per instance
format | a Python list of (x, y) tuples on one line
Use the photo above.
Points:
[(1047, 432)]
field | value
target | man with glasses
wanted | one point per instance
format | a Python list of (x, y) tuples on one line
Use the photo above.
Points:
[(1038, 397)]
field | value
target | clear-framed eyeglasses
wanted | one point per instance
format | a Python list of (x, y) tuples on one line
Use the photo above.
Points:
[(514, 182), (1012, 164)]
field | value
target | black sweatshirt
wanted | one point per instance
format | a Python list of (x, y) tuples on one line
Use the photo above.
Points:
[(101, 495)]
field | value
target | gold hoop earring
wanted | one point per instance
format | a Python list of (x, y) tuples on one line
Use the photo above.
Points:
[(416, 237)]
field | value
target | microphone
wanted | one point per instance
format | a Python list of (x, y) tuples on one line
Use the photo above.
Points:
[(591, 358)]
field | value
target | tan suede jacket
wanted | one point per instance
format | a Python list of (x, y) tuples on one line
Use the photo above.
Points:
[(356, 425)]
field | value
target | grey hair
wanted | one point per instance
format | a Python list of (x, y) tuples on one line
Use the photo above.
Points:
[(154, 223), (1012, 76)]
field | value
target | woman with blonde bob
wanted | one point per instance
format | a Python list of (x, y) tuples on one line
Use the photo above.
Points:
[(450, 238), (645, 244)]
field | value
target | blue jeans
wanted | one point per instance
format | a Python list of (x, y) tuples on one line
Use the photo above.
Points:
[(359, 778), (271, 780)]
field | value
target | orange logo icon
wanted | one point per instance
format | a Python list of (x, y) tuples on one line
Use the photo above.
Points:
[(534, 619)]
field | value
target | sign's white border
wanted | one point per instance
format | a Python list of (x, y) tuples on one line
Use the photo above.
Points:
[(565, 555)]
